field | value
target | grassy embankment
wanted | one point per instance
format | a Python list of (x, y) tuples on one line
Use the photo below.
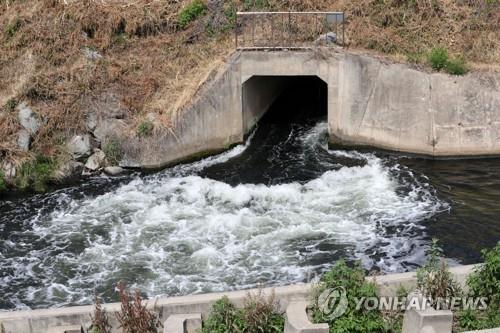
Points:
[(155, 55)]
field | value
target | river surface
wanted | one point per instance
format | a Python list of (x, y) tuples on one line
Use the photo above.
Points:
[(272, 211)]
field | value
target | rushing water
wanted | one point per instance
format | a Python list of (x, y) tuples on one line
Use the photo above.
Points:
[(271, 211)]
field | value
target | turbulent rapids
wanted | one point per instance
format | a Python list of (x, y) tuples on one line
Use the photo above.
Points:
[(275, 210)]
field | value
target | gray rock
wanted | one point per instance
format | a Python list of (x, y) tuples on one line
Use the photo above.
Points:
[(91, 54), (96, 160), (28, 119), (91, 121), (114, 170), (9, 170), (24, 140), (79, 146), (109, 127), (69, 171), (328, 38)]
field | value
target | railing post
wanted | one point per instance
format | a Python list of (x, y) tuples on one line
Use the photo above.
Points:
[(236, 31)]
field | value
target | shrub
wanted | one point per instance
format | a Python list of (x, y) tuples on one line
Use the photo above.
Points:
[(145, 129), (100, 322), (438, 58), (484, 282), (113, 150), (434, 279), (191, 12), (353, 282), (36, 173), (456, 66), (134, 317), (260, 314), (3, 185)]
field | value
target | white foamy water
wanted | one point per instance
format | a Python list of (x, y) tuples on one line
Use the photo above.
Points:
[(176, 233)]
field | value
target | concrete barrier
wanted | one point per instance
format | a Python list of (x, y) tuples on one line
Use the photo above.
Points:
[(39, 321), (426, 320), (183, 323), (297, 321)]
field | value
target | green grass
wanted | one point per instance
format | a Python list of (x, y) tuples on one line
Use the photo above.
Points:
[(191, 12), (36, 173), (113, 151), (456, 66), (145, 129)]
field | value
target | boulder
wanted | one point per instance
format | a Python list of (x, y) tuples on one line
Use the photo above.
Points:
[(69, 171), (28, 119), (24, 140), (114, 170), (91, 121), (96, 160), (9, 170), (79, 146), (108, 128)]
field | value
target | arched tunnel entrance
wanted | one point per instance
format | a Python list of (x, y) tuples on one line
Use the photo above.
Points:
[(283, 99)]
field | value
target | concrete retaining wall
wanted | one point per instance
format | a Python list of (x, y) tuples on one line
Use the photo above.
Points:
[(39, 321)]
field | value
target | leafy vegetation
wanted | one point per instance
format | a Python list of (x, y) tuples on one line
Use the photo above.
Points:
[(434, 279), (37, 173), (191, 12), (484, 282), (354, 320), (439, 60), (260, 314), (113, 150), (3, 185), (12, 27), (145, 129)]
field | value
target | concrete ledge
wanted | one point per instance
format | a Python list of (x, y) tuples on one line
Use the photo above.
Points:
[(66, 329), (39, 321), (183, 323), (491, 330), (296, 320)]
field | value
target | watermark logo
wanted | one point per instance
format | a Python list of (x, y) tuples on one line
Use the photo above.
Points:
[(333, 302)]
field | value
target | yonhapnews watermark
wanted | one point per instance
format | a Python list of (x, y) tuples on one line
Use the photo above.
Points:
[(334, 303)]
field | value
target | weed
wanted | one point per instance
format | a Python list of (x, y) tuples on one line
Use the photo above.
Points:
[(145, 129), (12, 27), (134, 317), (438, 58), (100, 322), (10, 105), (414, 57), (3, 184), (260, 314), (456, 66), (484, 282), (434, 279), (113, 150), (37, 173), (191, 12), (255, 4), (353, 320)]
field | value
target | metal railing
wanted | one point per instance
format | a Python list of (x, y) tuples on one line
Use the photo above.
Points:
[(289, 30)]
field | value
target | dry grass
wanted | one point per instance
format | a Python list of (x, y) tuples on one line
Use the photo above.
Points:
[(155, 66)]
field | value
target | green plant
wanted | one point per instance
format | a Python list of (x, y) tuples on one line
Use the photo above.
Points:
[(355, 319), (12, 27), (36, 173), (10, 105), (255, 4), (191, 12), (100, 322), (134, 317), (434, 279), (113, 150), (260, 314), (145, 129), (224, 317), (438, 58), (3, 185), (484, 282), (414, 57), (456, 66)]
